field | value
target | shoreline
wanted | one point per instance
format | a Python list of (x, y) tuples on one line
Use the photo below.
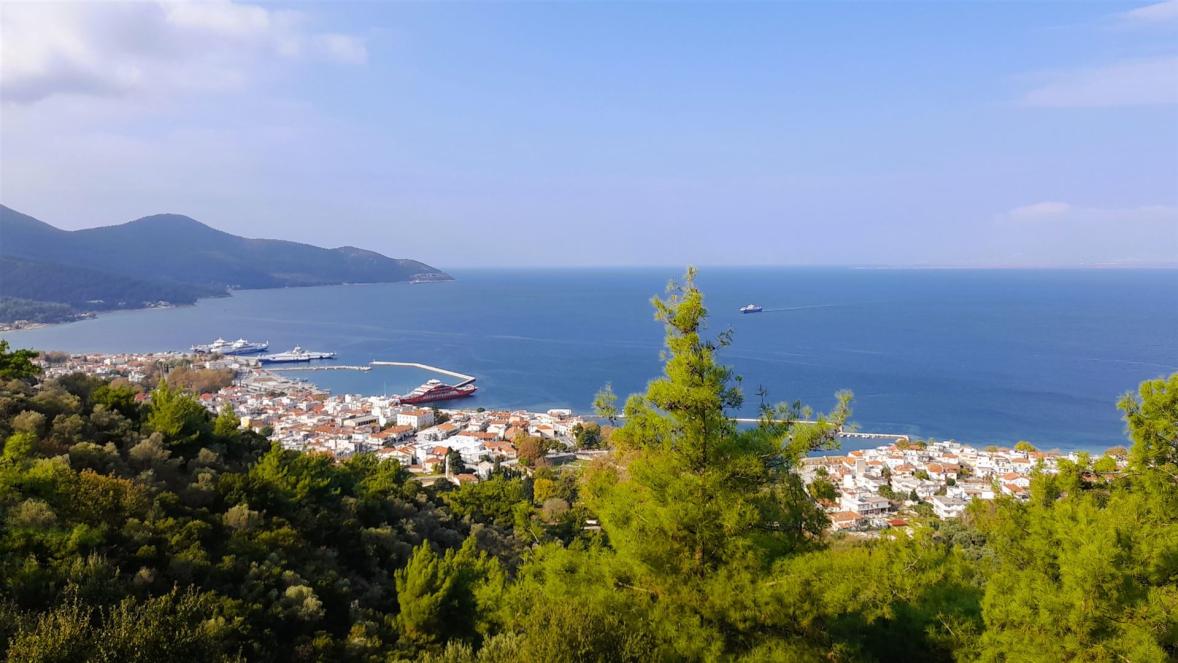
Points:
[(850, 440), (6, 327)]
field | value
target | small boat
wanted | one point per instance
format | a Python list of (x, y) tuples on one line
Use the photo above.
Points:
[(751, 308), (296, 355)]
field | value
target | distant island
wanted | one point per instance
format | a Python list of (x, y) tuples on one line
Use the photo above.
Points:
[(52, 275)]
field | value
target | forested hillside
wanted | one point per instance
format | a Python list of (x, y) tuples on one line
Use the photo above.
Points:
[(172, 258), (147, 531)]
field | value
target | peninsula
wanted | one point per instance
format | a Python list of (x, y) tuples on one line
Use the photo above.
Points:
[(52, 275)]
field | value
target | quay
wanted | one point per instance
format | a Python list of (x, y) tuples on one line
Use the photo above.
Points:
[(466, 379), (331, 367)]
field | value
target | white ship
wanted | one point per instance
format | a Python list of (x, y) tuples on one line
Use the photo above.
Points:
[(238, 347), (296, 355)]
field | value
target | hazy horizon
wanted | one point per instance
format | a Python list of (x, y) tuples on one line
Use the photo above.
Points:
[(956, 135)]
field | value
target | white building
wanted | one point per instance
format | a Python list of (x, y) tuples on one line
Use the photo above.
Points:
[(948, 507), (864, 503), (417, 418)]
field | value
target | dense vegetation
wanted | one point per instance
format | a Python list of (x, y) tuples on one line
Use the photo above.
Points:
[(13, 309), (156, 531), (171, 258), (88, 290)]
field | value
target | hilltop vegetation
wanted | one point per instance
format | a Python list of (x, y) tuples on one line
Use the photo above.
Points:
[(138, 532), (12, 309), (172, 258)]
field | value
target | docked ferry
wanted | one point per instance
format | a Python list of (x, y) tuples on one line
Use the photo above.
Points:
[(294, 356), (436, 390), (238, 347)]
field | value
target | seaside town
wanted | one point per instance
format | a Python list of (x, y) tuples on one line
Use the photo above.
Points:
[(864, 491)]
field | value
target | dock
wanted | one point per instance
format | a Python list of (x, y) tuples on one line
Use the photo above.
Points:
[(466, 379), (325, 367)]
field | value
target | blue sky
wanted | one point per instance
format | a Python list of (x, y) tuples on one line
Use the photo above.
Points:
[(610, 133)]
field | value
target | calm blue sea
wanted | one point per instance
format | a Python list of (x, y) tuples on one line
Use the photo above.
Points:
[(978, 356)]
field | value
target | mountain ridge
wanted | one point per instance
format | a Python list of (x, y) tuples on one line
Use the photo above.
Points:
[(173, 255)]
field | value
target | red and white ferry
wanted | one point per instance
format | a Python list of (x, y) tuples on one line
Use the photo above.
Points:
[(436, 390)]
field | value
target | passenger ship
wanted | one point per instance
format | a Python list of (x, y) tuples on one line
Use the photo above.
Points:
[(238, 347), (436, 390)]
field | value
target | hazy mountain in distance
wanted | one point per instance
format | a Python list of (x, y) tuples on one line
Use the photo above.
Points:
[(173, 258)]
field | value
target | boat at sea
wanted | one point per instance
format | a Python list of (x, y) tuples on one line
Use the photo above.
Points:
[(238, 347), (751, 308), (436, 390), (294, 356)]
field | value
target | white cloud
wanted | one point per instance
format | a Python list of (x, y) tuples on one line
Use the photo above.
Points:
[(342, 48), (1039, 210), (1059, 211), (1158, 12), (1062, 234), (223, 17), (117, 49), (1145, 82)]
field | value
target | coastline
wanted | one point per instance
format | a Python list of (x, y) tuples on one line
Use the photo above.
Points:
[(7, 327), (961, 373), (278, 379)]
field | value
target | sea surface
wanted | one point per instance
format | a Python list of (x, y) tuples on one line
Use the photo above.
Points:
[(986, 356)]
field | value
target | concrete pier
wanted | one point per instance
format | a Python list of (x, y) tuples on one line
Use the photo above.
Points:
[(466, 379), (325, 367)]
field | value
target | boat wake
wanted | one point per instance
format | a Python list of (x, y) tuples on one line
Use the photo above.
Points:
[(802, 308)]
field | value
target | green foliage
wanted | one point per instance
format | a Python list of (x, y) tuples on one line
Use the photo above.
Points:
[(441, 597), (17, 364), (693, 508), (823, 489), (19, 446), (605, 403), (1152, 417), (457, 465), (178, 417), (277, 555), (490, 502), (172, 627), (1081, 575), (588, 435), (1105, 464)]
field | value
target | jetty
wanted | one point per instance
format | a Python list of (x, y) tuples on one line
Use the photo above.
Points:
[(466, 379), (329, 367)]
